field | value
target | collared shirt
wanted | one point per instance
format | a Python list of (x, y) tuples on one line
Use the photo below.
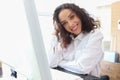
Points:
[(82, 56)]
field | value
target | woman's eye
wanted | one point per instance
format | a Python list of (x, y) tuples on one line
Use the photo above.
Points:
[(64, 23), (72, 16)]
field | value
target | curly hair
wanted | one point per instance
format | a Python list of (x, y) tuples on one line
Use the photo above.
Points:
[(88, 23)]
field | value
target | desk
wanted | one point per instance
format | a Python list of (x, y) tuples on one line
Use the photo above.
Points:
[(83, 77)]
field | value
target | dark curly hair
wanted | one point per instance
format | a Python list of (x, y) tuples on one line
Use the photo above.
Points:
[(88, 23)]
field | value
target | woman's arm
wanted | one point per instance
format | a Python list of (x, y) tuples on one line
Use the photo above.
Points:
[(55, 54), (92, 54)]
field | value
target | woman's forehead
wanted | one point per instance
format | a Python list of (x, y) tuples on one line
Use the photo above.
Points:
[(64, 14)]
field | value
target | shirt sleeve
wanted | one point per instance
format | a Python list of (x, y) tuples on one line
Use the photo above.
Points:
[(92, 54), (54, 54)]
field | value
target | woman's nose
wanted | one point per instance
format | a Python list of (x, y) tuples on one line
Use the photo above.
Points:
[(70, 23)]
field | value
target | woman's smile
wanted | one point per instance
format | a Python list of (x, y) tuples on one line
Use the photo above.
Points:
[(74, 29)]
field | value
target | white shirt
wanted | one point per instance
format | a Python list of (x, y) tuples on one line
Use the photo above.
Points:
[(82, 56)]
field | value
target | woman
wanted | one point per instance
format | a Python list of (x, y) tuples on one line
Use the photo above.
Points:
[(77, 41)]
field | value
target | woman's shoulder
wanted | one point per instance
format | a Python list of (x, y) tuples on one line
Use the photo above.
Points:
[(96, 33)]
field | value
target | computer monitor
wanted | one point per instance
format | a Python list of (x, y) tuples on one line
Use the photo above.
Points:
[(37, 39)]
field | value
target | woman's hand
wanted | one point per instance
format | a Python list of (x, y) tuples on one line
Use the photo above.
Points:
[(56, 29)]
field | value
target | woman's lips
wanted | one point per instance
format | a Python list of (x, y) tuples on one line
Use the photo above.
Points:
[(74, 28)]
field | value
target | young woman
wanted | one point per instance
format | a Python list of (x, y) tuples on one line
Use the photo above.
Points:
[(77, 41)]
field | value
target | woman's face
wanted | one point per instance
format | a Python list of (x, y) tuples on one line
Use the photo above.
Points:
[(70, 21)]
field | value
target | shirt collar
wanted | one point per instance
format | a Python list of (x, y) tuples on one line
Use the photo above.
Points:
[(79, 37)]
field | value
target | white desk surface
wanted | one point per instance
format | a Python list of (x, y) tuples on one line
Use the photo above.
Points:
[(59, 75)]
